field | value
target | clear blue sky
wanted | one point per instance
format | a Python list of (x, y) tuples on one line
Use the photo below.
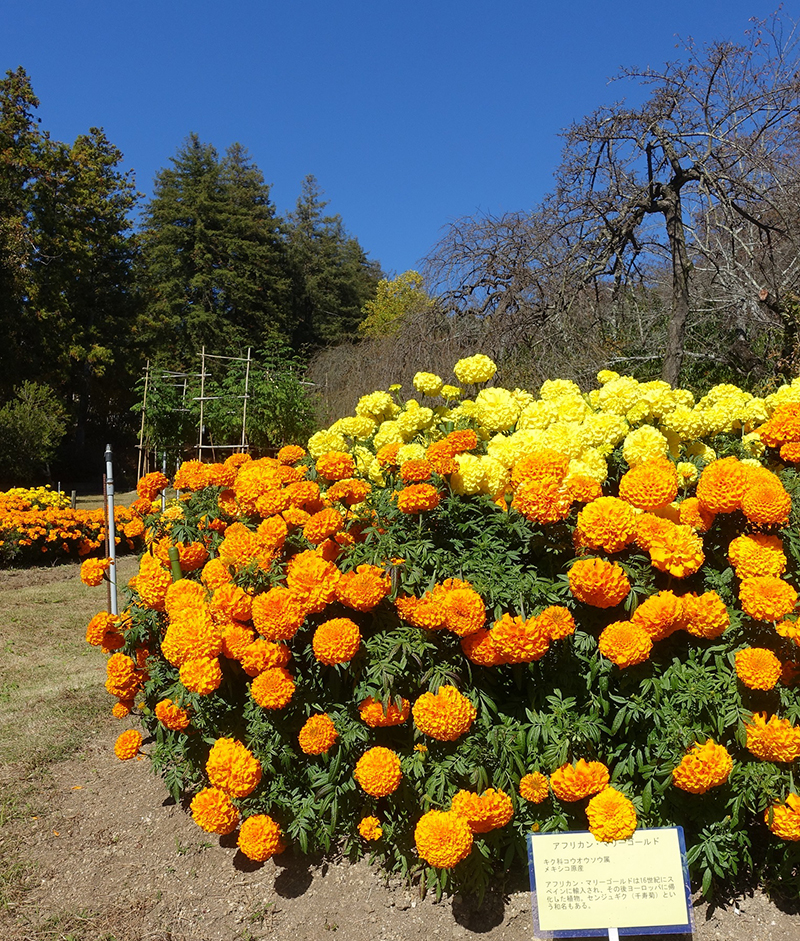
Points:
[(410, 114)]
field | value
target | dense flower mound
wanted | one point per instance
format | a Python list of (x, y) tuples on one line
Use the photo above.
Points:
[(476, 611)]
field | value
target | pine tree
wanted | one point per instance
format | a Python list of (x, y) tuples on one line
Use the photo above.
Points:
[(333, 277)]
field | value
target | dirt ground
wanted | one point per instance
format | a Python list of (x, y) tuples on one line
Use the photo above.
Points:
[(102, 854)]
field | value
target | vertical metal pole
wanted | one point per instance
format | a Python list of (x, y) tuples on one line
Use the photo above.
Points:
[(110, 529), (73, 499), (202, 403), (164, 472), (139, 474), (244, 404)]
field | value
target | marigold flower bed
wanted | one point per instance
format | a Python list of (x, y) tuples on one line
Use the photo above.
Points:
[(451, 621)]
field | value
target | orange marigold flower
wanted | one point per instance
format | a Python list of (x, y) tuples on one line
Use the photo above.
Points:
[(693, 513), (370, 828), (426, 613), (387, 455), (122, 709), (318, 734), (376, 716), (128, 744), (325, 523), (443, 838), (464, 611), (758, 667), (518, 640), (191, 555), (660, 614), (335, 465), (171, 716), (221, 475), (417, 498), (378, 771), (765, 501), (192, 634), (93, 571), (233, 768), (557, 622), (260, 837), (304, 494), (213, 811), (191, 475), (722, 485), (678, 551), (611, 815), (151, 485), (540, 465), (273, 688), (291, 454), (598, 582), (363, 589), (152, 582), (312, 580), (574, 782), (278, 613), (416, 472), (625, 643), (264, 655), (444, 715), (704, 767), (607, 523), (650, 484), (790, 452), (350, 491), (464, 440), (336, 641), (272, 502), (440, 455), (543, 499), (773, 740), (583, 489), (534, 787), (201, 675), (757, 554), (483, 812), (705, 615), (236, 638), (215, 573), (100, 625), (784, 819), (183, 597), (480, 648), (767, 598), (650, 527), (782, 426)]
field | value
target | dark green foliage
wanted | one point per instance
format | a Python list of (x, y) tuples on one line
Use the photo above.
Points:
[(32, 425)]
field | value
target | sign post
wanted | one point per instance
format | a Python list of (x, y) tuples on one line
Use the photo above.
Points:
[(582, 887)]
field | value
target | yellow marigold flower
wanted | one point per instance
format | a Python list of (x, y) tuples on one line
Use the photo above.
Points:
[(497, 409), (758, 667), (705, 615), (278, 613), (483, 812), (704, 767), (611, 815), (677, 550), (574, 782), (201, 675), (355, 426), (363, 589), (480, 648), (427, 383), (767, 598), (598, 582), (445, 715), (128, 744), (644, 444), (260, 838), (757, 554), (318, 734), (370, 828), (650, 484), (518, 640), (722, 485), (93, 571), (233, 768), (607, 523), (765, 501), (660, 614), (378, 772), (625, 643), (417, 498), (443, 838), (784, 819), (474, 369), (534, 787), (374, 714), (774, 739), (336, 641), (273, 688), (171, 716), (213, 811), (324, 441)]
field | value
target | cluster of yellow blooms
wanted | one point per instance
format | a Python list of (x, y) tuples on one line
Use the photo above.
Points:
[(295, 517)]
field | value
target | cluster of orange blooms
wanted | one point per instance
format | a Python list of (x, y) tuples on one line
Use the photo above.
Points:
[(288, 524)]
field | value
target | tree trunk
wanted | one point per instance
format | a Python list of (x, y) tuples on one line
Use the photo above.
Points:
[(670, 206)]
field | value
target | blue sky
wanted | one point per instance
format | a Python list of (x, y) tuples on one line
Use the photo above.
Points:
[(410, 114)]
